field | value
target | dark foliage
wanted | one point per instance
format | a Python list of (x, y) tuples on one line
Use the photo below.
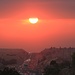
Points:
[(8, 71), (52, 69)]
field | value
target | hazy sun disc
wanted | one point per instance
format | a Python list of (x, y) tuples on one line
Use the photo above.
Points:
[(33, 20)]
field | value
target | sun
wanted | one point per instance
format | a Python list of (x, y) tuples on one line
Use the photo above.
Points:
[(33, 20)]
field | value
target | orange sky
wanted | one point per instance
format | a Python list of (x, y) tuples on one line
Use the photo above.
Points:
[(56, 26)]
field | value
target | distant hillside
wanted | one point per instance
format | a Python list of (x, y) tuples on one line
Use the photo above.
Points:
[(12, 56), (40, 60), (55, 53), (35, 60)]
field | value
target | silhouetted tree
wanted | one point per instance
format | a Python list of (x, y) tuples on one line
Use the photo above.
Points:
[(52, 69), (69, 70)]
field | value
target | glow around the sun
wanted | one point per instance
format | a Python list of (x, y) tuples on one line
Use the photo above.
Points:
[(33, 20)]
